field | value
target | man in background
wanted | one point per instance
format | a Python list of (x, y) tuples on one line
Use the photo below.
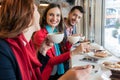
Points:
[(74, 16)]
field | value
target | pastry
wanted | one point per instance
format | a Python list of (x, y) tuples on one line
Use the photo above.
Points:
[(101, 54)]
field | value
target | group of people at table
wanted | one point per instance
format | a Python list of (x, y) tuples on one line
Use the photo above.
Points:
[(25, 51)]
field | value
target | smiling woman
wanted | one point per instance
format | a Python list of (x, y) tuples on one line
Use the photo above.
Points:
[(51, 23), (52, 57)]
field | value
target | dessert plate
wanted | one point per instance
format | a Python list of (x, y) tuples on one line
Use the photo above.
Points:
[(92, 54), (113, 65)]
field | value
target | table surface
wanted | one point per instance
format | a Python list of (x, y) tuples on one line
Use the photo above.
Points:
[(102, 74)]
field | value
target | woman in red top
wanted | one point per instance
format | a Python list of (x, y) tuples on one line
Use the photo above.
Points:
[(19, 19), (51, 58)]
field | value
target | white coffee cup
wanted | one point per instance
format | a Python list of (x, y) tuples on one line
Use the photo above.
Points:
[(73, 39), (55, 37)]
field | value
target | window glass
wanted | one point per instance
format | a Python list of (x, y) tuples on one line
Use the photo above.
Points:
[(112, 26)]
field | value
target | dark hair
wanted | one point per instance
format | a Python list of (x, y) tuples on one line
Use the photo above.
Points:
[(80, 8), (44, 21), (15, 16)]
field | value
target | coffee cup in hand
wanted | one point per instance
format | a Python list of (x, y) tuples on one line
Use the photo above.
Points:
[(55, 37)]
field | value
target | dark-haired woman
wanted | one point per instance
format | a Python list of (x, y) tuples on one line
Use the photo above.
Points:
[(51, 58)]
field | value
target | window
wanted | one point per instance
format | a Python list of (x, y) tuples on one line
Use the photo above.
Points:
[(112, 26)]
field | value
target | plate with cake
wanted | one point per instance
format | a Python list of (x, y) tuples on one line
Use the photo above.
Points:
[(101, 54), (112, 65)]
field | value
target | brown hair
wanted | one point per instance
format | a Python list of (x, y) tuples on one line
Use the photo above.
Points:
[(44, 21), (15, 16)]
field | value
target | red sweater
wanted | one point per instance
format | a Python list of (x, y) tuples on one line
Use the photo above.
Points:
[(39, 37)]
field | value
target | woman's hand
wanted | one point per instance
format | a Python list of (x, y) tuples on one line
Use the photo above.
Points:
[(77, 73), (82, 48), (45, 46)]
